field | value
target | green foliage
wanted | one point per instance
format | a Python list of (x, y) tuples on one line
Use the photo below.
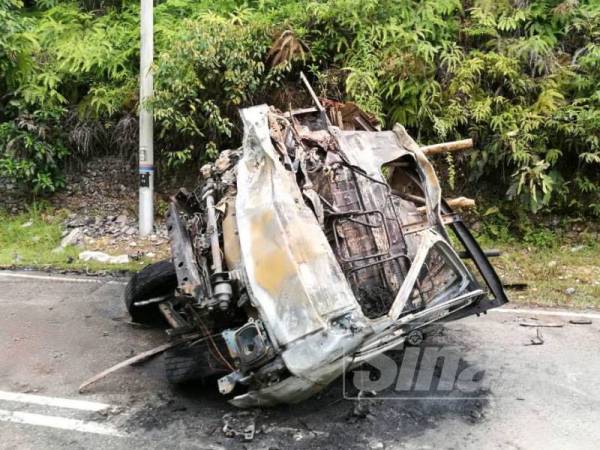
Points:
[(540, 238), (32, 152), (520, 77), (495, 227), (214, 67)]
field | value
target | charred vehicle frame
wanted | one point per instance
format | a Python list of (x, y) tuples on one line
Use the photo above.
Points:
[(319, 244)]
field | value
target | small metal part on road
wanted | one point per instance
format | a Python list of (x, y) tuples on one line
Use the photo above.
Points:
[(538, 339), (580, 321)]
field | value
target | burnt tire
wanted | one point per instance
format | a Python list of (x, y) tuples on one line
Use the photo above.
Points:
[(155, 280), (186, 363)]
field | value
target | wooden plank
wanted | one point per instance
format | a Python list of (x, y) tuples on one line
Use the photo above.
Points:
[(444, 147)]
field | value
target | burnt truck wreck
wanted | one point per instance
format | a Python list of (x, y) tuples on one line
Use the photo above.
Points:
[(311, 248)]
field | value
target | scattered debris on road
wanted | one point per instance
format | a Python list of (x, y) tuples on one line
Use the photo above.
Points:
[(538, 339), (137, 359), (241, 424), (580, 321), (362, 404)]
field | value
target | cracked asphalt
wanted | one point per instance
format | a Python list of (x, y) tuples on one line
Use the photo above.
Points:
[(56, 331)]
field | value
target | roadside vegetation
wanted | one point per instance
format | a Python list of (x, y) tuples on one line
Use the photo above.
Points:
[(520, 77), (32, 240), (566, 274), (548, 265)]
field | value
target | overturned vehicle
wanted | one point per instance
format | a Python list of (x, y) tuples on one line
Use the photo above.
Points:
[(319, 244)]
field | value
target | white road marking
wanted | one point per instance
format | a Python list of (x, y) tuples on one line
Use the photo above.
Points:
[(58, 422), (58, 278), (539, 312), (53, 401)]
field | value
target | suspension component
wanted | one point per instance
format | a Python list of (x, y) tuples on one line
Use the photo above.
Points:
[(221, 283)]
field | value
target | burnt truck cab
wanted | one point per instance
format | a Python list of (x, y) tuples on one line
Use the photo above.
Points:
[(311, 249)]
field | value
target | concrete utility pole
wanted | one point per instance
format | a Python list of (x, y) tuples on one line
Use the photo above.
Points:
[(146, 208)]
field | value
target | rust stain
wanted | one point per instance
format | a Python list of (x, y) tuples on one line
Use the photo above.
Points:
[(273, 266), (277, 259)]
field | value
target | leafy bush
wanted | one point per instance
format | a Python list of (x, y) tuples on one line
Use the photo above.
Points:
[(32, 151), (214, 67), (541, 238)]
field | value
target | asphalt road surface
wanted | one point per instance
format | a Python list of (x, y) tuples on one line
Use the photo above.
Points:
[(57, 331)]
